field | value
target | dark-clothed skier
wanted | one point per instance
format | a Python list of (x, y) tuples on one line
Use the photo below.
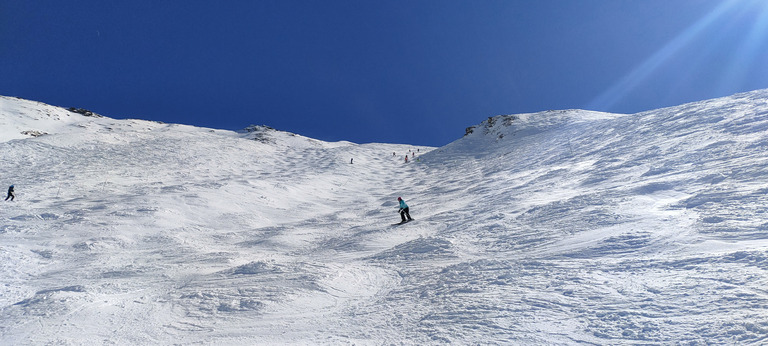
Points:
[(10, 194), (404, 210)]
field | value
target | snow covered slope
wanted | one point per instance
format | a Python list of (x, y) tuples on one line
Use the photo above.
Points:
[(558, 227)]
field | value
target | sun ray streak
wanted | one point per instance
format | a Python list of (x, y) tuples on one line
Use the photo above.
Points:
[(625, 85), (749, 49)]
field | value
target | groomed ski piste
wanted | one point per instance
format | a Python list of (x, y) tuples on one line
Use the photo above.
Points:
[(559, 227)]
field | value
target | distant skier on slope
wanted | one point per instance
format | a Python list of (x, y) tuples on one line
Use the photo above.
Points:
[(404, 210), (10, 194)]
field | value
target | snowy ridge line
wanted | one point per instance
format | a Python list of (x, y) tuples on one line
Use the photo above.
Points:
[(558, 227)]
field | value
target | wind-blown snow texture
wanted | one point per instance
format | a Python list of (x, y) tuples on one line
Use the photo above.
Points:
[(558, 227)]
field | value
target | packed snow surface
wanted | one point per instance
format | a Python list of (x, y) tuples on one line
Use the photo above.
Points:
[(559, 227)]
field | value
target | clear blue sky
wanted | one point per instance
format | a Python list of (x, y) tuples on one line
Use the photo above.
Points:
[(397, 71)]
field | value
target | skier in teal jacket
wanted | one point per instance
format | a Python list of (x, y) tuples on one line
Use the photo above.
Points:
[(404, 210)]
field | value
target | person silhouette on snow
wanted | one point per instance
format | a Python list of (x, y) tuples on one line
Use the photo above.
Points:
[(10, 194), (404, 211)]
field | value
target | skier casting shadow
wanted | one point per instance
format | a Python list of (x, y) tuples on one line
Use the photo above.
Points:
[(10, 194), (404, 211)]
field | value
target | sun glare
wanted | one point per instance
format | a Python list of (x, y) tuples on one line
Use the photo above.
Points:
[(750, 47), (729, 11)]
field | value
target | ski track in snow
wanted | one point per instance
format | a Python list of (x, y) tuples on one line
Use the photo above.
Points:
[(561, 227)]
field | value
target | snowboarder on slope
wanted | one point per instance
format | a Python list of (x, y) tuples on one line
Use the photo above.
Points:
[(10, 194), (404, 210)]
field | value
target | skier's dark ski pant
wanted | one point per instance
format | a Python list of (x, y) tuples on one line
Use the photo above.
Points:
[(403, 213)]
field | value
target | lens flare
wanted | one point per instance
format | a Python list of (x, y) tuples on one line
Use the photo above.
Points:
[(737, 70), (745, 56)]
